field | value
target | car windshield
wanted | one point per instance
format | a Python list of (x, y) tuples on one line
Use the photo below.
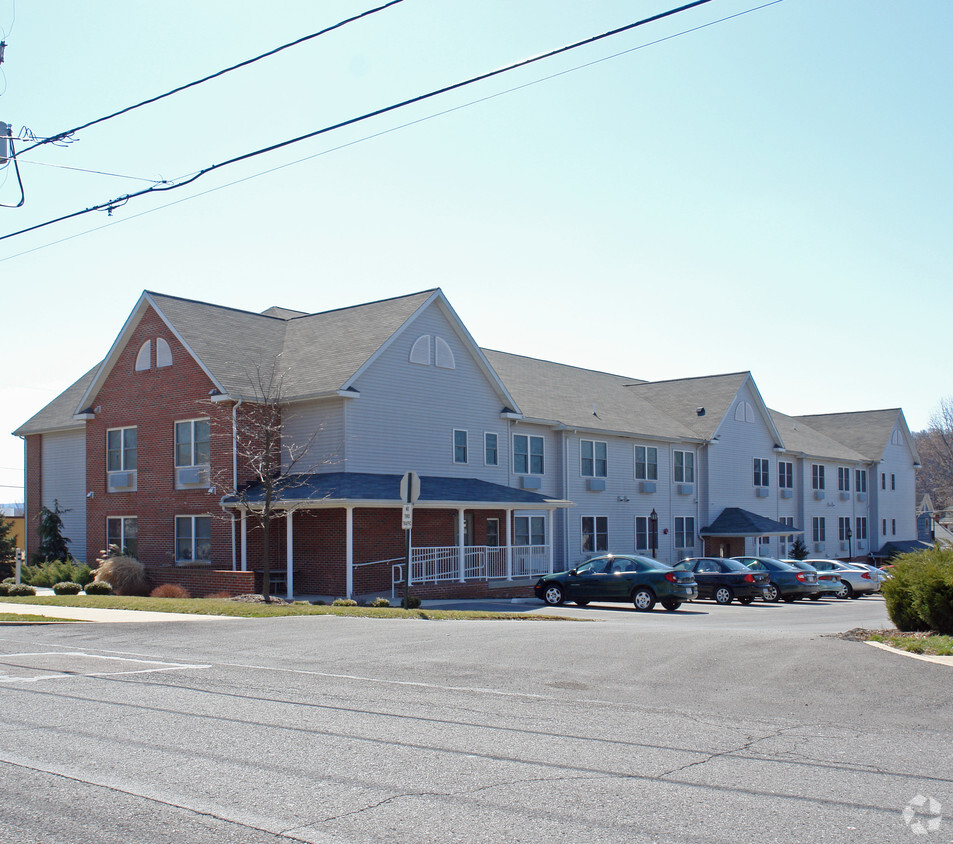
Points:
[(684, 565), (733, 565)]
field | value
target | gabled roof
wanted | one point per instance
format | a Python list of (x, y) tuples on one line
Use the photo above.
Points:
[(582, 398), (58, 414), (866, 431), (798, 437), (733, 521)]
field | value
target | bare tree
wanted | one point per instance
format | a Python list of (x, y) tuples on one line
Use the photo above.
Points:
[(935, 446), (268, 462)]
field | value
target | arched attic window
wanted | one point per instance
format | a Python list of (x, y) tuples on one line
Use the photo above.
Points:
[(744, 412), (144, 357), (163, 353), (445, 359), (420, 351)]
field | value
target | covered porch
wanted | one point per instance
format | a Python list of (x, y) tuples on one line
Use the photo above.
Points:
[(348, 525), (728, 534)]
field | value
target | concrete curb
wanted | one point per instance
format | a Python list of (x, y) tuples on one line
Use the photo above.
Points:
[(939, 660), (106, 615)]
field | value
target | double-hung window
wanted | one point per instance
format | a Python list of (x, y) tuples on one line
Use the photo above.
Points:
[(459, 446), (193, 539), (860, 480), (594, 462), (122, 458), (595, 533), (820, 529), (785, 542), (684, 467), (684, 532), (529, 530), (843, 479), (527, 455), (785, 475), (861, 531), (843, 527), (491, 449), (192, 443), (123, 533), (817, 476), (760, 471), (646, 463)]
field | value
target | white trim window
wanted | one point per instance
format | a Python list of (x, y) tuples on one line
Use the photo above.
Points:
[(860, 533), (123, 533), (843, 526), (193, 539), (529, 530), (761, 471), (819, 527), (817, 476), (684, 531), (593, 459), (785, 542), (595, 534), (122, 449), (192, 443), (764, 546), (460, 445), (843, 479), (785, 475), (491, 449), (646, 463), (684, 467), (860, 478), (528, 455)]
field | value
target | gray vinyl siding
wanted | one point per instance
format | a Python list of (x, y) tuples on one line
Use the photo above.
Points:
[(407, 412), (64, 482), (315, 429)]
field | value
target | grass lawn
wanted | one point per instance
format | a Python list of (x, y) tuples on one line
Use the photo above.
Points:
[(212, 606), (917, 643), (30, 617)]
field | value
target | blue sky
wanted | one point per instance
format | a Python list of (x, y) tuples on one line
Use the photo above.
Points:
[(770, 193)]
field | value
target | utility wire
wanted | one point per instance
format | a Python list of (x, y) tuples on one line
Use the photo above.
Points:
[(112, 204), (94, 172), (61, 135)]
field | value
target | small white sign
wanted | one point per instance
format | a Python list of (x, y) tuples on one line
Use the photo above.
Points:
[(407, 520)]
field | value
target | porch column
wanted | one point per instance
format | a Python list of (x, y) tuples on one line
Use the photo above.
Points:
[(549, 538), (509, 544), (244, 540), (461, 550), (349, 550), (289, 555)]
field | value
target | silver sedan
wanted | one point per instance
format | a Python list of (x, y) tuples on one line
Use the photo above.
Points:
[(854, 581)]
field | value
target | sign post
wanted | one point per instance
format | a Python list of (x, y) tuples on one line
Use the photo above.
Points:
[(409, 493)]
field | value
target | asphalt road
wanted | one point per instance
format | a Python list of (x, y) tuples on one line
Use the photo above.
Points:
[(720, 724)]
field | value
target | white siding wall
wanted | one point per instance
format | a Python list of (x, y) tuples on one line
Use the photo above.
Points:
[(64, 481), (320, 426), (407, 412), (898, 500)]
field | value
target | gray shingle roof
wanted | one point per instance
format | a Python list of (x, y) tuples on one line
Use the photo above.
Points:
[(733, 521), (801, 438), (866, 431)]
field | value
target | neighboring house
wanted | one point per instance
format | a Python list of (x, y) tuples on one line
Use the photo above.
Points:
[(930, 529), (526, 465), (13, 513)]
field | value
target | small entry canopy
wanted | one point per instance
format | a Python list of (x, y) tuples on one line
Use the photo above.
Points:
[(734, 521)]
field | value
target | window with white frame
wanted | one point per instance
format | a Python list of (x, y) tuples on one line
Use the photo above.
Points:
[(883, 480), (123, 533), (122, 449), (861, 528), (192, 442), (641, 533), (785, 475), (684, 467), (817, 476), (819, 526), (764, 545), (860, 480), (684, 532), (595, 534), (491, 450), (843, 527), (883, 532), (529, 530), (893, 481), (593, 459), (193, 539), (493, 533), (527, 455), (843, 479), (760, 471), (893, 527), (460, 442), (785, 542), (646, 463)]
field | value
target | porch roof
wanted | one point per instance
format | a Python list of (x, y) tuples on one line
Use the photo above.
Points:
[(734, 521), (336, 489)]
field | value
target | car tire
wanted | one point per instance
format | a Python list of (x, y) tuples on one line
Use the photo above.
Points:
[(772, 593), (723, 595), (789, 599), (580, 603), (553, 594), (816, 596), (643, 599), (846, 590), (670, 605), (745, 601)]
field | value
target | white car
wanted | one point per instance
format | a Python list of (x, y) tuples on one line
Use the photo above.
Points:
[(854, 581)]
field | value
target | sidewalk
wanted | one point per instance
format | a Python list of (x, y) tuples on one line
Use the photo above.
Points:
[(96, 614)]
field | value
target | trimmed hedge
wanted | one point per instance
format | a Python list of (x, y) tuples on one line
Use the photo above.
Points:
[(20, 590), (99, 587), (67, 587), (919, 594)]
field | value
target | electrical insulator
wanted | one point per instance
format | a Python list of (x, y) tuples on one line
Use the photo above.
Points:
[(4, 141)]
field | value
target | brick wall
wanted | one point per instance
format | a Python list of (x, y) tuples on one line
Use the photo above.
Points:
[(202, 581)]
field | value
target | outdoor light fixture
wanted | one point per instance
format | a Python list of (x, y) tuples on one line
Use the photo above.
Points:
[(653, 531), (850, 534)]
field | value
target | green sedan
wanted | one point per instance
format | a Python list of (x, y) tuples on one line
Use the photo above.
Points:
[(618, 578)]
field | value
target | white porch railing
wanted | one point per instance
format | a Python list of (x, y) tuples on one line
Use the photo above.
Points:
[(480, 562)]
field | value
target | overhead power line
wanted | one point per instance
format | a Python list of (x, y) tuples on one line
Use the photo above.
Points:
[(62, 135), (118, 202)]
